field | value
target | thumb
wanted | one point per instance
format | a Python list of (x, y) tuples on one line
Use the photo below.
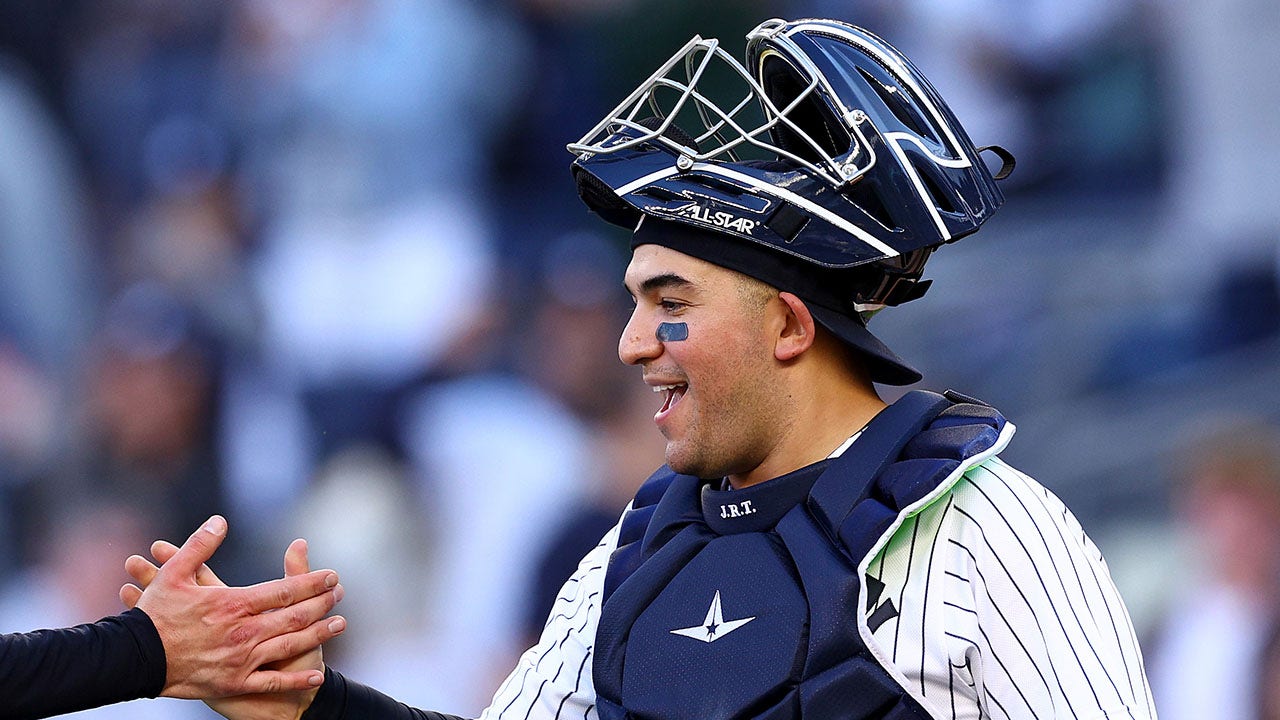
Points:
[(199, 548), (295, 559)]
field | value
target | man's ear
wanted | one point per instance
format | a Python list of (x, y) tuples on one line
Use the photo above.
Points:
[(798, 331)]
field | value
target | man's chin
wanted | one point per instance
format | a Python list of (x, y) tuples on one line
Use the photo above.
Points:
[(682, 463)]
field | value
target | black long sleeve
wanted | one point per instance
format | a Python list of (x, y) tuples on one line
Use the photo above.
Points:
[(51, 672), (343, 699)]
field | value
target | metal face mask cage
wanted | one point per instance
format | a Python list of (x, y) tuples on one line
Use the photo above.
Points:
[(745, 131)]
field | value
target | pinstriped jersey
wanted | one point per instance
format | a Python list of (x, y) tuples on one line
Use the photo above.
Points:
[(989, 603), (1005, 608)]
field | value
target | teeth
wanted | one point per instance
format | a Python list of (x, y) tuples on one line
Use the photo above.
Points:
[(665, 388)]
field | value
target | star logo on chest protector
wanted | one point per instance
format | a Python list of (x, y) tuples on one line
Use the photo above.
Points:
[(714, 626)]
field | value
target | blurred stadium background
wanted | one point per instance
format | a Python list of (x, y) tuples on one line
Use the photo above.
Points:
[(318, 265)]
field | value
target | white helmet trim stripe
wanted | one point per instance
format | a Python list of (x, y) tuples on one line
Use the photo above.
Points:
[(902, 74), (895, 141), (803, 202), (767, 189), (640, 182)]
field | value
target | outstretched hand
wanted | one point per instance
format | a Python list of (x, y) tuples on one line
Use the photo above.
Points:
[(221, 641)]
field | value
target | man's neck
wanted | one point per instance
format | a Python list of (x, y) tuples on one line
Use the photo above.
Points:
[(819, 423)]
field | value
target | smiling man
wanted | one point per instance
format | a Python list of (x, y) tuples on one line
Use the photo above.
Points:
[(807, 550)]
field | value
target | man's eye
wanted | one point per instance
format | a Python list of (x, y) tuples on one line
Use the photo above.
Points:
[(670, 305)]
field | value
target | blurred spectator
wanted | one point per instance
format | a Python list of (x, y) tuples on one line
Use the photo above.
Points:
[(348, 105), (1205, 659), (497, 463), (358, 307), (563, 93), (496, 460), (571, 321), (1218, 236), (1222, 206), (29, 401), (141, 97), (366, 127), (193, 241), (47, 290), (47, 299), (148, 417)]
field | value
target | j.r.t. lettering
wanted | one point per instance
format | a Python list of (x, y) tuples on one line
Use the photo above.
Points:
[(736, 509)]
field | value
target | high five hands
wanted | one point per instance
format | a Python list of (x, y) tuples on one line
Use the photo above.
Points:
[(261, 642)]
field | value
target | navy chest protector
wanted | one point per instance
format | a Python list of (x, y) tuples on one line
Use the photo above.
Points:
[(763, 624)]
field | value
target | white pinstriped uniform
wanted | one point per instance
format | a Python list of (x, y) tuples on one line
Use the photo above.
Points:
[(1006, 609)]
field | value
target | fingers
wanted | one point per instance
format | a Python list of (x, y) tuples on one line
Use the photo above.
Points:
[(292, 644), (299, 616), (278, 681), (163, 551), (130, 594), (287, 591), (199, 547), (140, 570)]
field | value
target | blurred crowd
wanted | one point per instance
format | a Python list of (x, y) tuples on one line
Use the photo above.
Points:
[(318, 265)]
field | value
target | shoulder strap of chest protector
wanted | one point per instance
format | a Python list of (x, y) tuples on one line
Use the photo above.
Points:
[(901, 457)]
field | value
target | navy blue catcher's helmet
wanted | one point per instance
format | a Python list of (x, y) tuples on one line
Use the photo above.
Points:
[(828, 148)]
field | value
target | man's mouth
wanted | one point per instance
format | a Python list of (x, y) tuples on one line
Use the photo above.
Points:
[(671, 396)]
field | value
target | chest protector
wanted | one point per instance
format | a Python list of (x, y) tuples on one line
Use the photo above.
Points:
[(706, 624)]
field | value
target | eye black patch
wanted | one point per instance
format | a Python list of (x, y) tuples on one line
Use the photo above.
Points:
[(672, 332)]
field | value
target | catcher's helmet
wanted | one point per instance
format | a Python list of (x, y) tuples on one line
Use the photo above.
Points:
[(839, 154)]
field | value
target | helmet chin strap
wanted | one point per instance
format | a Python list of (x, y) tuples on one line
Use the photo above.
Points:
[(1007, 160)]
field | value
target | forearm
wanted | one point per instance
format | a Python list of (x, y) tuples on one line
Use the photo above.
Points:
[(50, 672), (343, 699)]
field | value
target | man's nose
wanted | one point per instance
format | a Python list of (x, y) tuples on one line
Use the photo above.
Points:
[(638, 343)]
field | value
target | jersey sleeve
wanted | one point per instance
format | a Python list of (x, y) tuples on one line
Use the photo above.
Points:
[(343, 699), (1038, 628), (552, 680), (51, 672)]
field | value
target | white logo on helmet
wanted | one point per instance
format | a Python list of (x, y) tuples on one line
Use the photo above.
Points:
[(721, 219)]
